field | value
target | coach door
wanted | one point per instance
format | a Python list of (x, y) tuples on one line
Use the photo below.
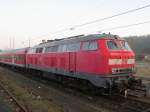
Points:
[(72, 62)]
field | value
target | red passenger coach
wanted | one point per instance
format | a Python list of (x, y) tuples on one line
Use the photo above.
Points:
[(15, 57), (104, 60)]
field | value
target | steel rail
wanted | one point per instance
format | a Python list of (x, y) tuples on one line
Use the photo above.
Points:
[(21, 107)]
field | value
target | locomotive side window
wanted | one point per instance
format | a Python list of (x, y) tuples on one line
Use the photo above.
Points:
[(39, 50), (85, 46), (47, 49), (52, 49), (91, 45), (74, 47), (62, 48), (112, 45)]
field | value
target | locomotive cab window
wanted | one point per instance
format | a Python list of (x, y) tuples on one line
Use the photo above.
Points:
[(125, 45), (112, 45), (90, 45)]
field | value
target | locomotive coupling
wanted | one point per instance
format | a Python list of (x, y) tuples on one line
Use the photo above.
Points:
[(138, 88)]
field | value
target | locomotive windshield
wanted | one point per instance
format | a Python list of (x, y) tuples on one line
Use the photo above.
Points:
[(118, 45), (125, 45), (112, 45)]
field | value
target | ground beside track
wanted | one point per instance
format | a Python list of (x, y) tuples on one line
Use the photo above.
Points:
[(49, 99), (143, 69), (26, 98), (4, 106)]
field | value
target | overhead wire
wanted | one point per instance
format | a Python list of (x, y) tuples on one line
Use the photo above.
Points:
[(125, 26), (91, 22), (109, 17)]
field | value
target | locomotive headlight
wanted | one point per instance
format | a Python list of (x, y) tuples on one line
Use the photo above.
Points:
[(131, 61), (115, 61)]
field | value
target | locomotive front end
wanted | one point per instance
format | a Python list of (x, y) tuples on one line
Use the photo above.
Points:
[(121, 59), (120, 63)]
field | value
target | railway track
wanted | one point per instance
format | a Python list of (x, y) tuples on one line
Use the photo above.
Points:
[(8, 95), (131, 104), (134, 106), (119, 104)]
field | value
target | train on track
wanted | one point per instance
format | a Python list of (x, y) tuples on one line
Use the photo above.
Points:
[(104, 61)]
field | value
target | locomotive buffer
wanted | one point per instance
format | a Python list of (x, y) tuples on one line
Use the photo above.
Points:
[(139, 89)]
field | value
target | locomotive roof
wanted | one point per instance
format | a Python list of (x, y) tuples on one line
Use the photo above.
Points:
[(75, 39)]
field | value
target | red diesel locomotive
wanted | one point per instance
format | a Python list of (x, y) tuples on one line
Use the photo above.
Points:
[(103, 60)]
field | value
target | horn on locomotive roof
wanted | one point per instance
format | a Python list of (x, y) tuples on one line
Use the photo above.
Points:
[(43, 41), (50, 40)]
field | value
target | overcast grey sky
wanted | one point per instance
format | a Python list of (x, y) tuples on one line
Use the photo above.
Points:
[(23, 19)]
